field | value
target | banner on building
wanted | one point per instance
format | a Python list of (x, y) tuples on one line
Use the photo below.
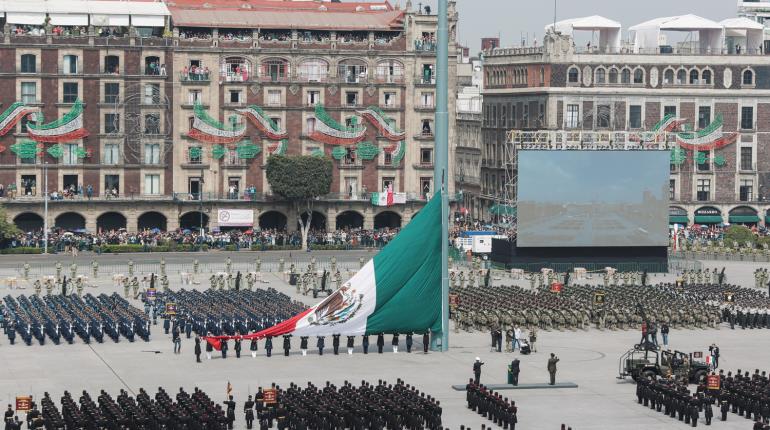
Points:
[(235, 217), (388, 198)]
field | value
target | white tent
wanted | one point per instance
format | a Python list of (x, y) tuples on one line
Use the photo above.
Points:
[(77, 12), (746, 32), (609, 30), (646, 35)]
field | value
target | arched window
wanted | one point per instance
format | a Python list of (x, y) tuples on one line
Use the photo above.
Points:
[(706, 77), (681, 77), (625, 76), (694, 76), (274, 69), (28, 63), (748, 77), (314, 70), (638, 76), (613, 75), (668, 77), (573, 75), (352, 71), (235, 69), (601, 76), (390, 71)]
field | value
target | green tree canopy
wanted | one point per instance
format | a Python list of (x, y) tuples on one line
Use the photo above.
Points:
[(739, 234), (7, 229), (300, 179)]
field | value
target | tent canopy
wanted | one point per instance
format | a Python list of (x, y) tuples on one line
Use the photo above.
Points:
[(646, 35), (609, 30), (77, 12), (751, 33)]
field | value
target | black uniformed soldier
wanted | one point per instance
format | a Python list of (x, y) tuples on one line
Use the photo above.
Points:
[(425, 342), (409, 342), (269, 345), (286, 344), (477, 370), (365, 344), (336, 343), (237, 346), (515, 370), (230, 412), (320, 344), (380, 342), (197, 349), (248, 410), (351, 342), (224, 348), (303, 345)]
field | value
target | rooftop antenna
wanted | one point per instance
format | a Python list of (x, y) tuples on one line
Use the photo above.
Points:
[(554, 15)]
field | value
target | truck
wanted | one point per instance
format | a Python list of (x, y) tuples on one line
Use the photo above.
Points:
[(644, 361)]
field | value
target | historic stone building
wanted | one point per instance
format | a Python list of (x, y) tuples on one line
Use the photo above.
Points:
[(155, 112), (608, 94)]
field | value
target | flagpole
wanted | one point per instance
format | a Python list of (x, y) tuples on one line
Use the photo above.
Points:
[(441, 164)]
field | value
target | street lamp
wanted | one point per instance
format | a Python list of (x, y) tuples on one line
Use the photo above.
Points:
[(45, 208)]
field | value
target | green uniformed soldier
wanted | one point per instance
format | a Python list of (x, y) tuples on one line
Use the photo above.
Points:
[(338, 279), (79, 286), (26, 271), (48, 287), (228, 265), (258, 265), (125, 287), (162, 266), (135, 286), (58, 270), (196, 266), (130, 268), (451, 279), (95, 269), (37, 287), (250, 281), (462, 279), (333, 264), (213, 281), (281, 264)]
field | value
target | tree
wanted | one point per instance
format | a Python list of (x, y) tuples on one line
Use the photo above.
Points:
[(739, 234), (7, 229), (300, 179)]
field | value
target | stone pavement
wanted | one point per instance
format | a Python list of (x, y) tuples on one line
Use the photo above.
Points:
[(589, 359)]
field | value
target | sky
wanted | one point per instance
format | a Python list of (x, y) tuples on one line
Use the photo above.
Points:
[(512, 19), (592, 176)]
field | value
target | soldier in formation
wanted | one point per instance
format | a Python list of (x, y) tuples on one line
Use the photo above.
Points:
[(491, 405)]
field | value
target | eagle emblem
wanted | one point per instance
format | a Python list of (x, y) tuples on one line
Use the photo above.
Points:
[(338, 308)]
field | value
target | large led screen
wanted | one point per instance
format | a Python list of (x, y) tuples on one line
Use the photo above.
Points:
[(592, 198)]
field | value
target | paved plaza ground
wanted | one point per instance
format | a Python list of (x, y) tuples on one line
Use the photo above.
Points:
[(588, 358)]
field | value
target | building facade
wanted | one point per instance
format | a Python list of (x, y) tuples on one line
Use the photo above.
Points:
[(178, 114), (558, 95)]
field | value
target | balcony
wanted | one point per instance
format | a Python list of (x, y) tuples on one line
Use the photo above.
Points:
[(425, 107), (425, 81), (194, 77), (425, 135), (389, 79)]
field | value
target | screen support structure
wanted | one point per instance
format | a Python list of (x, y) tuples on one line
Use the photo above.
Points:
[(510, 184)]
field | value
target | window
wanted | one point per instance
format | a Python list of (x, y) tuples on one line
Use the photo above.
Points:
[(747, 158), (426, 156), (277, 121), (194, 97), (274, 97), (427, 127), (704, 116), (672, 189), (111, 154), (390, 99), (669, 110), (668, 77), (70, 64), (195, 155), (29, 92), (573, 75), (28, 63), (748, 77), (694, 76), (747, 118), (112, 64), (426, 100), (70, 90), (351, 98), (635, 116), (275, 69), (69, 153), (387, 158), (23, 123), (350, 156), (152, 123), (603, 116), (703, 190), (573, 116), (601, 76), (28, 183), (151, 153), (426, 185), (309, 126), (388, 183), (313, 98), (111, 92), (613, 75), (112, 123), (152, 94), (390, 71), (638, 76), (706, 166), (152, 184), (706, 77), (746, 190), (315, 70), (625, 76), (681, 77), (112, 184), (235, 97)]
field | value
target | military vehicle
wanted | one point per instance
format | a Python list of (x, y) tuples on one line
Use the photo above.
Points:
[(648, 361)]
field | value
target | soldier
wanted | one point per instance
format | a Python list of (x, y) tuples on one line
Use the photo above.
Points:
[(162, 266), (213, 281), (196, 266), (95, 269), (333, 267), (477, 370), (320, 344), (351, 341), (303, 345), (336, 343), (48, 287), (249, 281), (37, 287), (258, 265), (130, 268), (228, 265), (360, 262), (253, 347), (269, 345), (248, 410), (126, 287), (79, 286), (552, 368), (286, 344), (135, 286), (73, 271), (338, 279), (26, 271), (58, 270), (281, 264)]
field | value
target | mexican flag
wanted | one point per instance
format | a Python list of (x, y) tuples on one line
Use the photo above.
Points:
[(398, 291), (388, 198)]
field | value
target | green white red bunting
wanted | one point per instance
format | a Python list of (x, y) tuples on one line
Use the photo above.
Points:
[(11, 116), (329, 131), (711, 137), (263, 123), (67, 128), (382, 123), (207, 129)]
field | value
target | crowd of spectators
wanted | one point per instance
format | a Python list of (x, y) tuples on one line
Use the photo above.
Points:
[(195, 73), (195, 34)]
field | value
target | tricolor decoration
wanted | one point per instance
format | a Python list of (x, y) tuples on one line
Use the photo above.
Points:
[(330, 132), (397, 291), (207, 129), (711, 137), (26, 149), (384, 124), (263, 123), (217, 152), (317, 153), (388, 198), (678, 156), (339, 152), (67, 128), (668, 124), (397, 151), (278, 148), (247, 150), (366, 151), (55, 151), (13, 115)]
